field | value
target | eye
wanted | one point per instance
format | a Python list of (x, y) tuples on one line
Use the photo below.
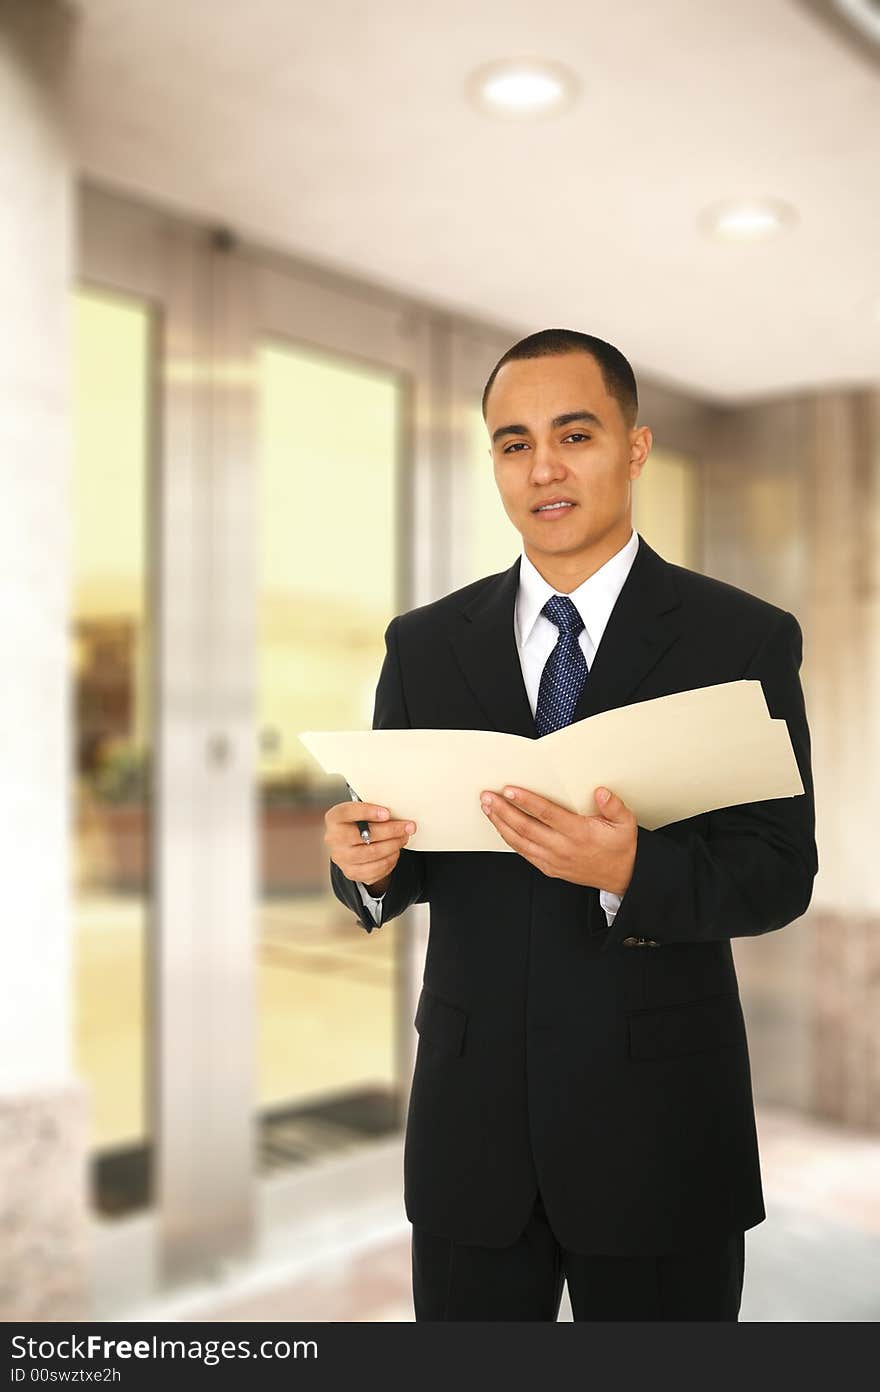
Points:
[(517, 445)]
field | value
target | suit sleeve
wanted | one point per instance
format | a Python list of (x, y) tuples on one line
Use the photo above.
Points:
[(408, 884), (753, 869)]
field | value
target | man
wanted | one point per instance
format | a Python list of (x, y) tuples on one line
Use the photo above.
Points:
[(581, 1105)]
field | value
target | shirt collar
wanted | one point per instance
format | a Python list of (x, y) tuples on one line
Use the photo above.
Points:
[(594, 599)]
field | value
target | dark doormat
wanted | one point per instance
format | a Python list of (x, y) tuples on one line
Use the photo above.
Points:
[(122, 1182)]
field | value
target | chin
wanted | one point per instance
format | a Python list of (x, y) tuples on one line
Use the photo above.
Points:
[(543, 542)]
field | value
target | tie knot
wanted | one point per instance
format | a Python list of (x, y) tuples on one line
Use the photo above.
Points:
[(563, 613)]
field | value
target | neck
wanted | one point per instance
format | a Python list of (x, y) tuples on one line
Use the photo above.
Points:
[(566, 570)]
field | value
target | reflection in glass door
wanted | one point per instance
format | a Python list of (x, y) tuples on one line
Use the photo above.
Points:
[(110, 667), (329, 444)]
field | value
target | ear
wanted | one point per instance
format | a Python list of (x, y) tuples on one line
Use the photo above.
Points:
[(641, 441)]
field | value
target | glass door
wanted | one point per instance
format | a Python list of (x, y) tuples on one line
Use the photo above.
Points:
[(337, 488), (111, 745), (259, 478), (162, 655)]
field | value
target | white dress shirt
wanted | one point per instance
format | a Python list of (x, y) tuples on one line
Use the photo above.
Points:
[(536, 637)]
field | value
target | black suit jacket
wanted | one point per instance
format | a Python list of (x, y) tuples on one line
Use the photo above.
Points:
[(609, 1066)]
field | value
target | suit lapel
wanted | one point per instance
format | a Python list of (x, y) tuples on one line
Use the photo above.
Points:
[(484, 644), (643, 624)]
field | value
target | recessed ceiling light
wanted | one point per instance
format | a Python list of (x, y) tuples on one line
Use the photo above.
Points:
[(747, 219), (522, 87)]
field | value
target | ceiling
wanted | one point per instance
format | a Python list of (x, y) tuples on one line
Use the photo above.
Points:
[(341, 132)]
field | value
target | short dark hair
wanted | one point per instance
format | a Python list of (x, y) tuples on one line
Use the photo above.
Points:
[(618, 376)]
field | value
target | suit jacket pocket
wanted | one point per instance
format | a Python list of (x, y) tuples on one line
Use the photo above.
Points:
[(441, 1022), (697, 1027)]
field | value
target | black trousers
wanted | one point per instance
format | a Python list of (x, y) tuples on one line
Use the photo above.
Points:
[(457, 1281)]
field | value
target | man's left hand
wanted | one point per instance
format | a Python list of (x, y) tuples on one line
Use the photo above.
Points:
[(599, 851)]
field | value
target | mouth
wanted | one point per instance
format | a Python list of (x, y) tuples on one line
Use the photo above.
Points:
[(555, 508)]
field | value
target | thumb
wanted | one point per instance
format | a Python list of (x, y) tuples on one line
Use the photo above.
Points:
[(611, 807)]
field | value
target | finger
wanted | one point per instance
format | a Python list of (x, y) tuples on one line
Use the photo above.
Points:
[(383, 831), (375, 869), (521, 836), (611, 807), (347, 813), (370, 860), (386, 841), (541, 808), (506, 813), (358, 812)]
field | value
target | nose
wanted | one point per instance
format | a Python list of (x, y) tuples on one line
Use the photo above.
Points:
[(547, 464)]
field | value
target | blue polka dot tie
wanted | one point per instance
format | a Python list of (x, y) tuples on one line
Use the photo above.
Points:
[(565, 670)]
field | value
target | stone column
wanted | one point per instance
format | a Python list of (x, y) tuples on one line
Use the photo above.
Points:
[(43, 1179), (844, 617), (793, 514)]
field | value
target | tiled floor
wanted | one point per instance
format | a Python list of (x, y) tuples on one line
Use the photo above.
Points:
[(325, 1016), (816, 1258)]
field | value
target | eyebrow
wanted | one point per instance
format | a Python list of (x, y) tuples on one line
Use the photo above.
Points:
[(589, 417)]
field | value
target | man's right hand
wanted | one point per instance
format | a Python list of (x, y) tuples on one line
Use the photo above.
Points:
[(371, 864)]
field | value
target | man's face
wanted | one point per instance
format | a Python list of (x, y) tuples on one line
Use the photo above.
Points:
[(538, 456)]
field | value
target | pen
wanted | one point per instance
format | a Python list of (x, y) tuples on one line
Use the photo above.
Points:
[(363, 827)]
